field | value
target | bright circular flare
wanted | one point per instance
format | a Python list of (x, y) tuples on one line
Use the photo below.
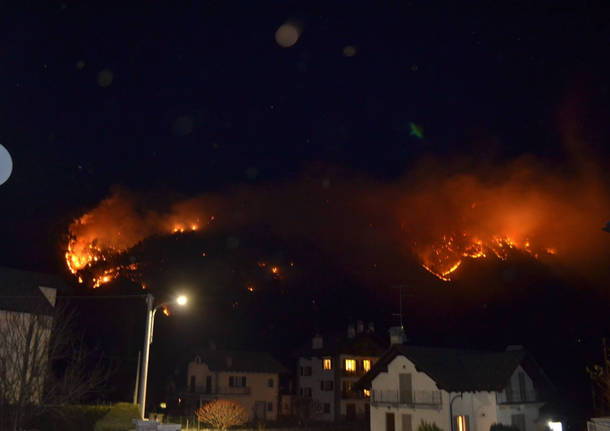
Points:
[(181, 300), (6, 164), (287, 35)]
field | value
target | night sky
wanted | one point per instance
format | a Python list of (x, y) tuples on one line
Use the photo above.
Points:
[(311, 144)]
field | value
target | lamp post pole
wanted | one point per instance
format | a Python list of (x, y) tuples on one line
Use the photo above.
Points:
[(146, 353), (451, 411)]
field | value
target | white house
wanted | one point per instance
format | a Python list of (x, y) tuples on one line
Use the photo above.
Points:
[(249, 378), (458, 390), (27, 301), (329, 369)]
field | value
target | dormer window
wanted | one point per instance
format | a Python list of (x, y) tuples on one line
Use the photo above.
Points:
[(197, 359)]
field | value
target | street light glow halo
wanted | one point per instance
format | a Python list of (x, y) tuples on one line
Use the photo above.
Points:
[(181, 300)]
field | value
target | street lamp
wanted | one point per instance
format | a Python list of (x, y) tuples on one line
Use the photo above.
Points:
[(148, 337)]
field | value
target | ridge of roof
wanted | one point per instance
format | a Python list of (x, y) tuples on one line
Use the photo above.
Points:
[(240, 360), (455, 370)]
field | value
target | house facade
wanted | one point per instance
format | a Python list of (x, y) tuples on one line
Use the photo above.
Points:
[(250, 378), (328, 371), (27, 302), (457, 390)]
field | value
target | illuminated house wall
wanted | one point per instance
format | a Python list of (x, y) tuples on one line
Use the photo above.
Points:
[(410, 385)]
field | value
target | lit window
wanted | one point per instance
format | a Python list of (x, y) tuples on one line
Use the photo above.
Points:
[(366, 365), (367, 393), (350, 365), (327, 364), (462, 423)]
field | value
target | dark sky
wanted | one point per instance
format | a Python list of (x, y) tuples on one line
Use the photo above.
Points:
[(183, 100)]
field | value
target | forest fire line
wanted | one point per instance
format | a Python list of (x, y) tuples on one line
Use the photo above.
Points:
[(443, 258)]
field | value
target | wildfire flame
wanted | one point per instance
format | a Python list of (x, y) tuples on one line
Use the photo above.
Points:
[(443, 258), (99, 238)]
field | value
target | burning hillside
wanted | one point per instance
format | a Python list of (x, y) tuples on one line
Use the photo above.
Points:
[(443, 223), (99, 240)]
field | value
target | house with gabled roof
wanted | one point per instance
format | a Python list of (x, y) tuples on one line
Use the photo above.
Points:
[(458, 390), (249, 378)]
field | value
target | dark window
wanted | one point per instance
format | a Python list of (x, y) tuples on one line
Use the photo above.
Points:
[(326, 385), (269, 407), (193, 383), (326, 408), (518, 421), (307, 371), (389, 422), (270, 383), (301, 371), (208, 384), (231, 381), (307, 392), (243, 381), (301, 391)]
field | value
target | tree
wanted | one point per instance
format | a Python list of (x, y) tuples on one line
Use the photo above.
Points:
[(42, 365), (428, 426), (600, 379), (222, 414)]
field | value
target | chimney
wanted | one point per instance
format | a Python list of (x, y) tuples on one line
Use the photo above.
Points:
[(397, 335), (371, 327), (317, 342), (360, 326), (351, 331)]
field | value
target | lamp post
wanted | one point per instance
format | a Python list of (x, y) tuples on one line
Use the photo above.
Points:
[(148, 337), (451, 410)]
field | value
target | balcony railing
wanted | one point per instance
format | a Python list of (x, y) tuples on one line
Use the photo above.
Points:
[(356, 373), (517, 397), (226, 390), (352, 394), (419, 398)]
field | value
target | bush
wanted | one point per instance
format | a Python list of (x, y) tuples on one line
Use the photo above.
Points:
[(69, 418), (426, 426), (119, 418), (502, 427)]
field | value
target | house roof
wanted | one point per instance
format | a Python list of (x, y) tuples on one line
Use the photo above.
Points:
[(362, 344), (235, 360), (458, 370), (20, 290)]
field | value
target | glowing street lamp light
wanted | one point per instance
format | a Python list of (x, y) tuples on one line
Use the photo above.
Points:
[(148, 337)]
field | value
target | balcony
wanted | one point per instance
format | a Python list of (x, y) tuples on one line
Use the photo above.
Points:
[(517, 397), (352, 395), (406, 398), (227, 390), (356, 373)]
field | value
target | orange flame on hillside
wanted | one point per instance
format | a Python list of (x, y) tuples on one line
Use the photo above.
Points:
[(442, 259), (99, 237)]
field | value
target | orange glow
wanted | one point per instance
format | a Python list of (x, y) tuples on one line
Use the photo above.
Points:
[(443, 258), (250, 288), (274, 270), (166, 311)]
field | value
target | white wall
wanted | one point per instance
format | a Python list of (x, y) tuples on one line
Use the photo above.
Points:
[(479, 406), (530, 410), (420, 381)]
